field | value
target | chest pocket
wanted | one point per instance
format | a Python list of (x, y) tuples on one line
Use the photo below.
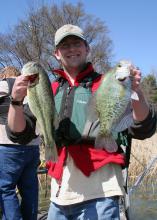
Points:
[(80, 108)]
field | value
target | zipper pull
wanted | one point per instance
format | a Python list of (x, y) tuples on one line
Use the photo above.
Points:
[(68, 90), (57, 194)]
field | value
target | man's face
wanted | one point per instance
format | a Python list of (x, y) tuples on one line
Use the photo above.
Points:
[(72, 52)]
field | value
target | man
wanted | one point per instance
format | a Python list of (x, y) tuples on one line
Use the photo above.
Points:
[(18, 162), (86, 182)]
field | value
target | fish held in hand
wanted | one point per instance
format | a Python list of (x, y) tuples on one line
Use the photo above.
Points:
[(41, 103), (113, 108)]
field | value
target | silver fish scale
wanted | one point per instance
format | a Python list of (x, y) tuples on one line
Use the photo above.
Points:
[(112, 98)]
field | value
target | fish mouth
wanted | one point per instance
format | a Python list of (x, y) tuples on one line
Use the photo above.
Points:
[(122, 79), (33, 80)]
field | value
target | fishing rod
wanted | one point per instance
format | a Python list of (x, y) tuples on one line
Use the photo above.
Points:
[(143, 174)]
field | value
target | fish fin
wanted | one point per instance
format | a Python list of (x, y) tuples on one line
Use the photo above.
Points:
[(125, 121), (107, 143), (134, 96)]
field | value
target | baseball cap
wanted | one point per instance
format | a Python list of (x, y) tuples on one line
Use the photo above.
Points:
[(67, 30)]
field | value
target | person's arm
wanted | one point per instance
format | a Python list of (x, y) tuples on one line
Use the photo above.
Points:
[(144, 115), (16, 118), (21, 123), (140, 106)]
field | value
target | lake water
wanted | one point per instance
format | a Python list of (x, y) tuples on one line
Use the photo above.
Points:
[(143, 203)]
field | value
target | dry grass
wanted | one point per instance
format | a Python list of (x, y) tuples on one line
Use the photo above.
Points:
[(141, 154)]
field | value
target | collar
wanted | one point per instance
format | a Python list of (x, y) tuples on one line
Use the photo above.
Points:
[(88, 69)]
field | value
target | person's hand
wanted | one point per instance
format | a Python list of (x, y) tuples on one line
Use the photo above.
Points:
[(136, 78), (19, 90)]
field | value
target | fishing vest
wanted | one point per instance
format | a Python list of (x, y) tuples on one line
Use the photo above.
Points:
[(5, 101), (72, 105)]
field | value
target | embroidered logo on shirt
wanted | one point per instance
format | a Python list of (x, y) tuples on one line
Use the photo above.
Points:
[(81, 102)]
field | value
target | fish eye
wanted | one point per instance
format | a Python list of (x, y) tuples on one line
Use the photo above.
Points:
[(119, 65), (122, 79)]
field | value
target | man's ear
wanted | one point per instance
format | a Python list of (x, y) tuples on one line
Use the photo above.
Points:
[(56, 54)]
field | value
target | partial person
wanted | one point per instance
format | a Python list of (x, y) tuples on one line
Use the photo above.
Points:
[(18, 161), (86, 182)]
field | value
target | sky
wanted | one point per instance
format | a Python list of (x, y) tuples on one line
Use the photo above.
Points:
[(132, 25)]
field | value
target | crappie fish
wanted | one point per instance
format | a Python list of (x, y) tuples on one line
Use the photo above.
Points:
[(112, 100), (41, 103)]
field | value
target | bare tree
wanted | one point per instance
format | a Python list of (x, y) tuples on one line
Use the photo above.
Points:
[(33, 38), (149, 87)]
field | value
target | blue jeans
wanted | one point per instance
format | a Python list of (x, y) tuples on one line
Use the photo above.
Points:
[(18, 167), (95, 209)]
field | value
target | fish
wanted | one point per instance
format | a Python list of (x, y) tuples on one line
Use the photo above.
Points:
[(113, 105), (41, 103)]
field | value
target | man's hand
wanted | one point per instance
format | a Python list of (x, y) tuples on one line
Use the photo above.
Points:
[(136, 78), (19, 90), (140, 106)]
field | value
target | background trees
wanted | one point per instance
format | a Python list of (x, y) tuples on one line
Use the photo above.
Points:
[(33, 38), (149, 86)]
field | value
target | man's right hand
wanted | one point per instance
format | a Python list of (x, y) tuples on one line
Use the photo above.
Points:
[(19, 90)]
